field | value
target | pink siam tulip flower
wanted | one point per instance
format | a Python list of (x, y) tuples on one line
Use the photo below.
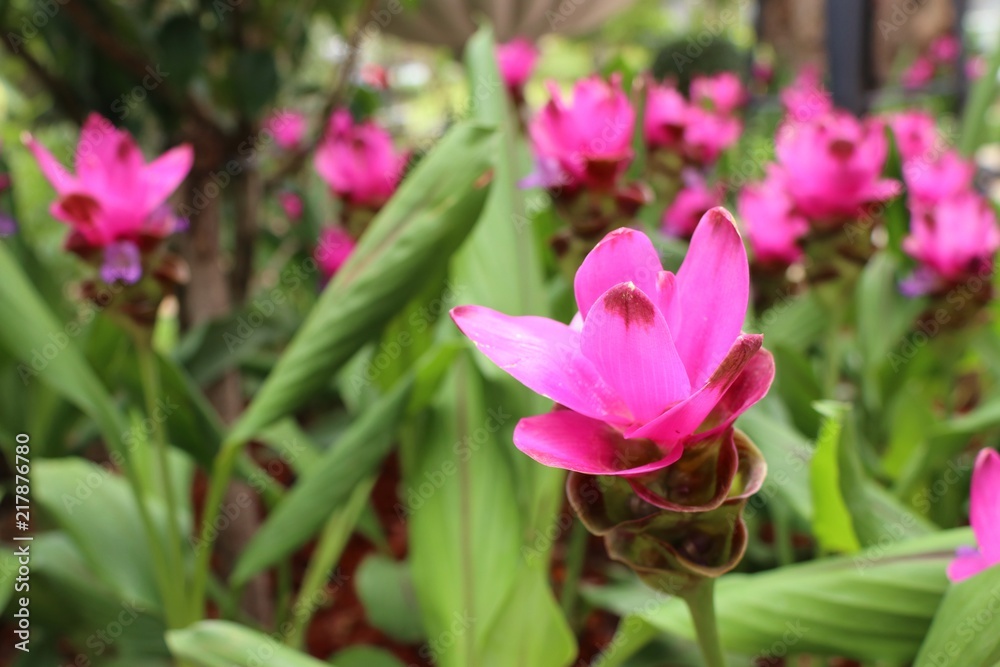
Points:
[(984, 515), (691, 204), (930, 181), (834, 164), (723, 93), (291, 204), (358, 161), (771, 221), (589, 137), (916, 134), (288, 127), (116, 202), (806, 98), (708, 134), (920, 73), (652, 362), (945, 49), (955, 238), (335, 247), (516, 60), (665, 117)]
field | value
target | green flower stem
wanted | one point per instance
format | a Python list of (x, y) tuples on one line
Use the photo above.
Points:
[(149, 372), (974, 118), (222, 471), (701, 602)]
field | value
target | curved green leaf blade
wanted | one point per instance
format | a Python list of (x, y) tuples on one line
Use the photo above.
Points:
[(966, 629), (423, 224), (225, 644)]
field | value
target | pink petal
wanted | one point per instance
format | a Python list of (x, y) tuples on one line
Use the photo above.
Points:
[(627, 339), (544, 355), (565, 439), (967, 564), (681, 421), (62, 181), (984, 513), (624, 255), (164, 174), (713, 287), (751, 386)]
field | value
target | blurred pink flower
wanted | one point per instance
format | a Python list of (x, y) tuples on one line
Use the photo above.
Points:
[(984, 515), (954, 238), (358, 161), (723, 93), (929, 180), (708, 134), (589, 137), (516, 60), (772, 224), (335, 247), (291, 203), (651, 363), (806, 98), (665, 117), (834, 164), (945, 49), (374, 76), (920, 73), (690, 205), (762, 71), (115, 198), (975, 67), (916, 133), (288, 127)]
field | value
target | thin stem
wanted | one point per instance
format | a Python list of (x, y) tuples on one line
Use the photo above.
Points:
[(221, 472), (701, 602), (151, 389), (576, 553), (331, 545)]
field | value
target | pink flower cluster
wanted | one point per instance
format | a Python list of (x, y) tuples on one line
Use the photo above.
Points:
[(942, 53), (358, 161), (953, 229), (516, 60), (984, 515), (363, 168), (699, 128), (115, 204), (828, 170)]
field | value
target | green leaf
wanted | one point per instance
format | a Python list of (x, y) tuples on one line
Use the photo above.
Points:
[(254, 80), (48, 353), (95, 507), (225, 644), (182, 45), (467, 536), (365, 656), (421, 225), (795, 323), (787, 453), (311, 501), (832, 524), (876, 605), (386, 591), (966, 628)]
